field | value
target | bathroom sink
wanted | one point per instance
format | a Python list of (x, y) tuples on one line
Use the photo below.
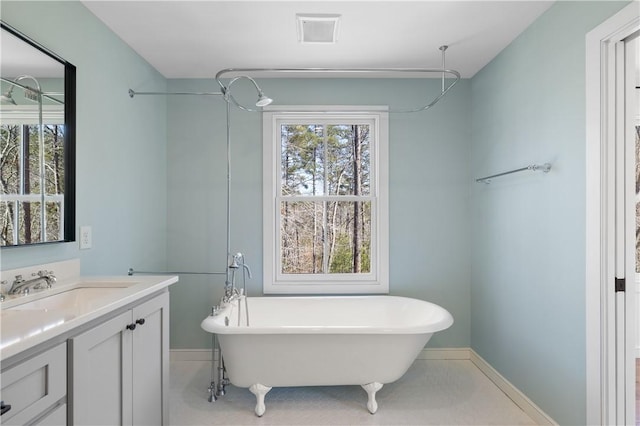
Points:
[(79, 300)]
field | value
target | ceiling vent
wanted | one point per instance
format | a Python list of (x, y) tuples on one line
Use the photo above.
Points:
[(317, 28)]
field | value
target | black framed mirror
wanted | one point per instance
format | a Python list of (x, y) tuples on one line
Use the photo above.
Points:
[(37, 143)]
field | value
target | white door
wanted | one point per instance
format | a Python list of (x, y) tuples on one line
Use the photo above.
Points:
[(626, 309), (628, 312), (611, 218)]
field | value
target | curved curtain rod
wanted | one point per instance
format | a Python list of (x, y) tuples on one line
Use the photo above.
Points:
[(243, 71), (47, 95)]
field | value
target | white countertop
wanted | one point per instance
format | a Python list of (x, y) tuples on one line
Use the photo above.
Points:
[(22, 328)]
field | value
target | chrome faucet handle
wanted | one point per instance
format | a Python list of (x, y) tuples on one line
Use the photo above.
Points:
[(18, 279)]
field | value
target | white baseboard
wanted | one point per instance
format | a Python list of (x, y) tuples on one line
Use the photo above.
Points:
[(191, 354), (520, 399), (446, 353)]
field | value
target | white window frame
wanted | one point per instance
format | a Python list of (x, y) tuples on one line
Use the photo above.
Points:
[(377, 281), (29, 115)]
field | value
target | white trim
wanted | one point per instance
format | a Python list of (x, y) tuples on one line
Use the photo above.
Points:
[(377, 281), (191, 355), (600, 256), (29, 114), (637, 295), (444, 354), (519, 398)]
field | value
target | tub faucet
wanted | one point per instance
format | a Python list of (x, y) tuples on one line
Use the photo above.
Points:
[(231, 292)]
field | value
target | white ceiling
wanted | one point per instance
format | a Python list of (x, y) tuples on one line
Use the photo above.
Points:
[(18, 57), (196, 39)]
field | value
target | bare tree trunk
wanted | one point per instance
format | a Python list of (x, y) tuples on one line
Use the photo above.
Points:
[(332, 229), (27, 183), (56, 161)]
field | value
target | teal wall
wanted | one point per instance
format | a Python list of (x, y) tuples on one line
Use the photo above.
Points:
[(528, 230), (429, 184), (121, 143), (506, 259)]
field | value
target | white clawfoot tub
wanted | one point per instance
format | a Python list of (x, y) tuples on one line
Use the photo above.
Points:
[(321, 341)]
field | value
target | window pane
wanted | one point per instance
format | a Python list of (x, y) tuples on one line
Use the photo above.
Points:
[(10, 158), (302, 159), (349, 235), (53, 221), (54, 159), (29, 223), (302, 236), (31, 161), (6, 223), (348, 159)]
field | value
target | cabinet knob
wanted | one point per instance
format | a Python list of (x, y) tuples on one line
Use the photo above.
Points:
[(4, 407), (131, 327), (140, 321)]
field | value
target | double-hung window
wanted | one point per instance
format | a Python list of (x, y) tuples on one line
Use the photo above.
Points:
[(31, 202), (326, 201)]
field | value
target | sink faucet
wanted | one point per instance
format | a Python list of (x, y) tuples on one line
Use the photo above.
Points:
[(43, 280)]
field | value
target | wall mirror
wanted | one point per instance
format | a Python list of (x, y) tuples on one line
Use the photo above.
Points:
[(37, 143)]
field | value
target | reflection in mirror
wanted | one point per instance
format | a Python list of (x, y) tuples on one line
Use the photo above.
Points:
[(37, 143)]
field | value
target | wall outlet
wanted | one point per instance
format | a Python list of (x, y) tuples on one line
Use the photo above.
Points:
[(85, 237)]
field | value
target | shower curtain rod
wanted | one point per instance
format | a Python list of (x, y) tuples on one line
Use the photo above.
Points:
[(133, 93), (47, 95), (245, 71), (442, 71)]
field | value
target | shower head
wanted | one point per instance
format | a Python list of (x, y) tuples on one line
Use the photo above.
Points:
[(31, 93), (7, 99), (263, 100)]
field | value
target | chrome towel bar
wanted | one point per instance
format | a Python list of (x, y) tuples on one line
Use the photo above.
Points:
[(132, 271), (532, 167)]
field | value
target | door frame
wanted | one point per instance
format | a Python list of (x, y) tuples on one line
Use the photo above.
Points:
[(601, 133)]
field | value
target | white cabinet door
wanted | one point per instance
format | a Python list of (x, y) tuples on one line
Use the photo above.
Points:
[(120, 368), (101, 374), (151, 362)]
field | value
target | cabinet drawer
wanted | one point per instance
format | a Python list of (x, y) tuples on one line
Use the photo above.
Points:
[(33, 386), (57, 417)]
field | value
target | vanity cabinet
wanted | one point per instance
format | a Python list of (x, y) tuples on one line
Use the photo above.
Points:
[(36, 389), (119, 368)]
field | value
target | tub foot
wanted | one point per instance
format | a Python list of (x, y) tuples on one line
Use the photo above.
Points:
[(371, 389), (259, 391)]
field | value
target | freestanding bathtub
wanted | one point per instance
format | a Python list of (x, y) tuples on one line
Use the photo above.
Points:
[(320, 341)]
